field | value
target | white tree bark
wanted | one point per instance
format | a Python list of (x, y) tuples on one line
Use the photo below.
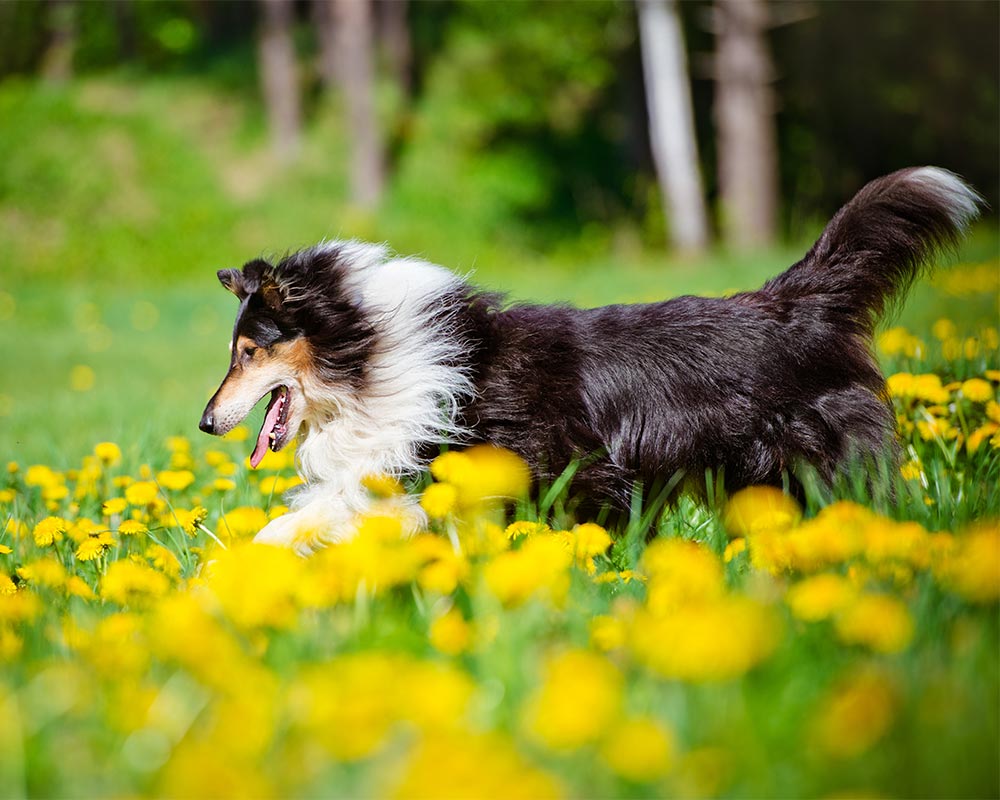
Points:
[(354, 49), (671, 123), (279, 77), (744, 121)]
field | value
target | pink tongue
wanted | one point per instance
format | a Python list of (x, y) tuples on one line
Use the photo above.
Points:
[(270, 420)]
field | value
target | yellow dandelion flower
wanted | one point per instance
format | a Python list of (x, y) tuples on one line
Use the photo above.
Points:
[(142, 493), (13, 468), (982, 433), (911, 470), (758, 509), (899, 340), (187, 520), (7, 585), (178, 444), (223, 485), (820, 597), (238, 434), (131, 527), (216, 458), (681, 572), (5, 550), (607, 633), (590, 540), (78, 587), (242, 522), (944, 329), (855, 715), (7, 496), (706, 641), (972, 568), (538, 569), (128, 582), (439, 500), (521, 528), (473, 765), (50, 530), (89, 549), (734, 548), (41, 475), (113, 506), (977, 390), (175, 480), (879, 622), (164, 560), (108, 452), (639, 749), (11, 644), (580, 695), (383, 485), (257, 585), (450, 633), (46, 572), (483, 473)]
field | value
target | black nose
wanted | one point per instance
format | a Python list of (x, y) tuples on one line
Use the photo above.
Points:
[(207, 423)]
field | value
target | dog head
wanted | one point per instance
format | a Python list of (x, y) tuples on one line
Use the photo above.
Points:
[(300, 335)]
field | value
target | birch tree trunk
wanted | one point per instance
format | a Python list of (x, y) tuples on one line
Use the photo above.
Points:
[(671, 124), (354, 49), (745, 126), (279, 76)]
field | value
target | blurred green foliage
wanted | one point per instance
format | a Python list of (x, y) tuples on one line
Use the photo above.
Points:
[(525, 128)]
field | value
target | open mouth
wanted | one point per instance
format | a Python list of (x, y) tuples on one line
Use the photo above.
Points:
[(274, 430)]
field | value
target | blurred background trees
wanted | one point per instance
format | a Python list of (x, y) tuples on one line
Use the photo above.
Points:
[(532, 126)]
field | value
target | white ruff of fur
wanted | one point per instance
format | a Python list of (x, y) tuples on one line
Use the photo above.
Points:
[(412, 395)]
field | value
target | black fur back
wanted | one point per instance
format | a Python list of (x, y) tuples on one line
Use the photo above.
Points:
[(753, 384)]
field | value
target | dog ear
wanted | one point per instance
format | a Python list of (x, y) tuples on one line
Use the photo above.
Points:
[(271, 292), (232, 279)]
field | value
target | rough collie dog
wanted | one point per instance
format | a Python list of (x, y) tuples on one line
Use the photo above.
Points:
[(374, 362)]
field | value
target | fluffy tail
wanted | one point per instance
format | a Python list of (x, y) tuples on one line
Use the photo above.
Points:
[(878, 243)]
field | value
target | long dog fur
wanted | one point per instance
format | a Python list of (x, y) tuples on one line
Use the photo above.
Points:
[(404, 356)]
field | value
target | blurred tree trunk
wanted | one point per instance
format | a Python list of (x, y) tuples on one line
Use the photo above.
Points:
[(279, 76), (350, 45), (57, 62), (744, 121), (394, 32), (326, 37), (671, 123)]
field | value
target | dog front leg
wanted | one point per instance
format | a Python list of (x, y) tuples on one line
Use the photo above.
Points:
[(331, 519), (311, 527)]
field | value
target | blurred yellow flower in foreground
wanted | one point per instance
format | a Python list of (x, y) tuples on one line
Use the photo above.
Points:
[(639, 749), (876, 621), (972, 569), (760, 509), (450, 633), (482, 473), (539, 568), (820, 597), (487, 766), (714, 640), (580, 695), (855, 715)]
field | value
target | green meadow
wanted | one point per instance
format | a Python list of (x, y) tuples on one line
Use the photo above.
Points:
[(754, 648)]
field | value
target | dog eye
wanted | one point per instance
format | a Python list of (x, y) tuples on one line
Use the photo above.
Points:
[(249, 352)]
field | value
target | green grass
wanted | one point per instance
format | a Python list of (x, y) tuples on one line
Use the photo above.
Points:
[(114, 216)]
